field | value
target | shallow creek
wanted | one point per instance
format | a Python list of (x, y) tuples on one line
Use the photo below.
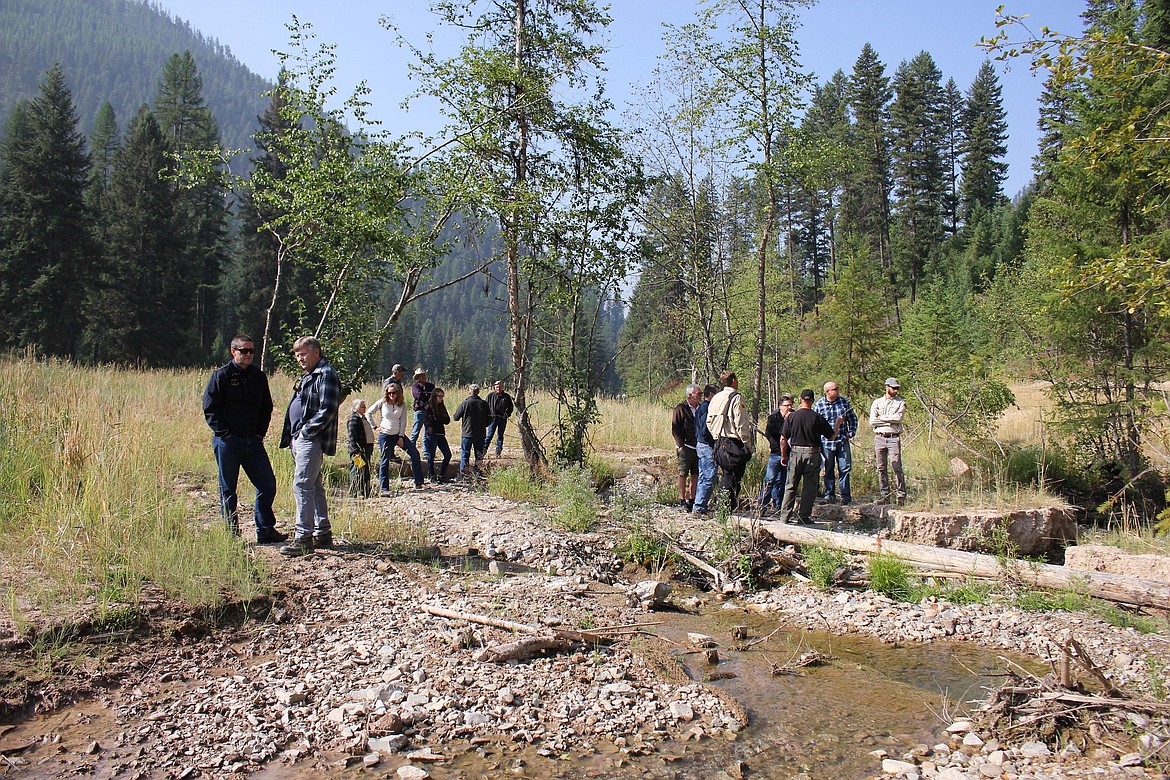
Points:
[(819, 722), (816, 723)]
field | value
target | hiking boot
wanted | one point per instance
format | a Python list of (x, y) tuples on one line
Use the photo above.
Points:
[(323, 540), (270, 536), (302, 545)]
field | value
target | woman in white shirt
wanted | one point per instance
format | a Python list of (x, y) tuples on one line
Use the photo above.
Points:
[(392, 433)]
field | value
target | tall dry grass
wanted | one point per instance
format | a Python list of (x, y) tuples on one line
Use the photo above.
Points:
[(89, 466)]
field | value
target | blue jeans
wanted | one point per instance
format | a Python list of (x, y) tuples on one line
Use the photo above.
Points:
[(496, 427), (430, 442), (420, 417), (386, 445), (466, 445), (309, 488), (706, 476), (840, 460), (248, 453), (775, 478)]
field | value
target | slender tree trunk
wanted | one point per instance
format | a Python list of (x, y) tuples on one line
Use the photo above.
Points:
[(281, 255), (520, 307)]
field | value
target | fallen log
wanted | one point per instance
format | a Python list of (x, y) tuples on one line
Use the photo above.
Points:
[(523, 649), (508, 625), (1111, 587)]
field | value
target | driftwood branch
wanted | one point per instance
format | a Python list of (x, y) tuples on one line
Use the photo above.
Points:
[(508, 625)]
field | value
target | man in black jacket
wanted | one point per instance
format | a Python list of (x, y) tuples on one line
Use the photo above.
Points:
[(238, 406), (473, 413), (499, 410)]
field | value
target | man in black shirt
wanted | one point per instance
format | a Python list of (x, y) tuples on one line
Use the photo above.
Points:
[(238, 406), (800, 451)]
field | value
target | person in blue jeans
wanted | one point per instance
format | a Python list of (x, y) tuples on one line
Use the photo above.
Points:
[(392, 433), (421, 390), (473, 413), (838, 458), (237, 403), (500, 408), (772, 494), (705, 448), (435, 433)]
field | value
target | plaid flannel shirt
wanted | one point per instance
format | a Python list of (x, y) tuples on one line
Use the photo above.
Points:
[(831, 411), (321, 400)]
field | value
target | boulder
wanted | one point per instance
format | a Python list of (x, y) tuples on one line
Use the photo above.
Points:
[(1032, 531)]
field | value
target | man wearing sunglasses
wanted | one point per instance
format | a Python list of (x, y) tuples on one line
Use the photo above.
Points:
[(238, 406)]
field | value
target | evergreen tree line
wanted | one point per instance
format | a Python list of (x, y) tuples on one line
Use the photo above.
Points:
[(902, 201), (105, 257)]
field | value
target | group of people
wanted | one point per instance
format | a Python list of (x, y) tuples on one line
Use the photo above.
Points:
[(711, 429), (480, 420), (713, 433), (237, 404)]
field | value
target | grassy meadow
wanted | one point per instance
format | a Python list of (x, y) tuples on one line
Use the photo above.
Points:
[(107, 484)]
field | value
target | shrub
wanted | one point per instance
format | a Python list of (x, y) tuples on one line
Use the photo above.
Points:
[(574, 500), (640, 542)]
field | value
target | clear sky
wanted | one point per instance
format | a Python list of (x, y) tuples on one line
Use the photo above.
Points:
[(831, 36)]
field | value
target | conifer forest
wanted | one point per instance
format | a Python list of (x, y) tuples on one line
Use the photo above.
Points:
[(790, 230)]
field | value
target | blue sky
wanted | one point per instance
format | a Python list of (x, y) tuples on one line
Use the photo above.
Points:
[(831, 36)]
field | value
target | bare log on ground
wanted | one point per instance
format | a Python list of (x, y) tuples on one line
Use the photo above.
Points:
[(1112, 587), (523, 649), (508, 625)]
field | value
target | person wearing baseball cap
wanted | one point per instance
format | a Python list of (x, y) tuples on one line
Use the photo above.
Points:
[(396, 375), (885, 417)]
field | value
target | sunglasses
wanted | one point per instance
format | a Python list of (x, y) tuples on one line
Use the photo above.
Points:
[(244, 350)]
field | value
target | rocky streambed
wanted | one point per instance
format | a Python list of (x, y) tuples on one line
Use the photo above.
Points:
[(347, 674)]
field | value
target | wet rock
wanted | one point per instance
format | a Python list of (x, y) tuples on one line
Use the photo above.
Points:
[(409, 772), (650, 594), (892, 766)]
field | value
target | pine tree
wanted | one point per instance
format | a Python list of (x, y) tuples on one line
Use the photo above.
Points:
[(45, 257), (827, 119), (918, 119), (984, 143), (952, 153), (103, 144), (866, 201), (188, 125), (139, 308)]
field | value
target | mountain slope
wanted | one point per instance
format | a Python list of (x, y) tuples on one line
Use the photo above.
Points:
[(114, 50)]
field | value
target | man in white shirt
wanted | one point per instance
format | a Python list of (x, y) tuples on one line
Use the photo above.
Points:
[(885, 417)]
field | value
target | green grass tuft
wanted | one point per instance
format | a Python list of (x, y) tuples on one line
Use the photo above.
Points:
[(822, 563)]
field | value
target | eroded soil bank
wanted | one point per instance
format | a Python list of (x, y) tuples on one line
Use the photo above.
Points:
[(346, 674)]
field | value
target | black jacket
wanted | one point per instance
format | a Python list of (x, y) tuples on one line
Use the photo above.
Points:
[(499, 404), (474, 414), (237, 401)]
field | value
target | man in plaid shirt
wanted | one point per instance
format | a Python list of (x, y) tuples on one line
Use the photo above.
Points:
[(310, 430), (836, 453)]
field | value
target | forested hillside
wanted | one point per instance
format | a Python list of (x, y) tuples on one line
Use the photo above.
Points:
[(113, 51)]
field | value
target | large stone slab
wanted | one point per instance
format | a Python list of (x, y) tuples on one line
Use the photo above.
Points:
[(1033, 531), (1113, 560)]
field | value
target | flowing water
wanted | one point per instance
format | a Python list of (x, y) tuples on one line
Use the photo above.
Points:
[(818, 722)]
